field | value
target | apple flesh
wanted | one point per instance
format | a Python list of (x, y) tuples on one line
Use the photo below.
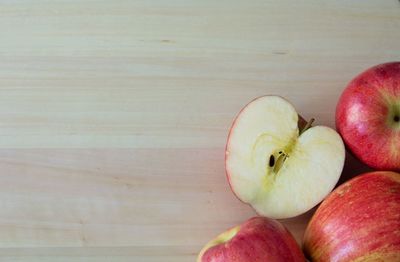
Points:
[(358, 221), (259, 239), (368, 116), (281, 170)]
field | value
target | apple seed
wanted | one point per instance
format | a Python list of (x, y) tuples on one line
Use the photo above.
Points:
[(271, 161)]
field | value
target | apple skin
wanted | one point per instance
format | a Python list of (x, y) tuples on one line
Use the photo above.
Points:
[(358, 221), (259, 239), (368, 116)]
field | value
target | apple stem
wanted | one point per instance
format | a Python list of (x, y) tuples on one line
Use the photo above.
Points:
[(307, 126)]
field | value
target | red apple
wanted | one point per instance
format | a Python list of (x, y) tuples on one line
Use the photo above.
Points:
[(368, 116), (358, 221), (278, 167), (259, 239)]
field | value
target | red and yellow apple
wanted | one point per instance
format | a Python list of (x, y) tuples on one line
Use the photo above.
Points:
[(259, 239), (280, 169), (368, 116), (358, 221)]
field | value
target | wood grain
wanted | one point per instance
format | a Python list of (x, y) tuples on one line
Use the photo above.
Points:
[(114, 114)]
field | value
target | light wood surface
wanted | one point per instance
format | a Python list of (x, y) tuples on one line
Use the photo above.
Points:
[(114, 114)]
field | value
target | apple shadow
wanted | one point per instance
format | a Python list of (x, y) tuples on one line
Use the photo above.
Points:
[(352, 168), (297, 225)]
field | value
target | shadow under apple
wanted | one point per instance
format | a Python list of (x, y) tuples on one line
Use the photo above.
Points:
[(352, 168)]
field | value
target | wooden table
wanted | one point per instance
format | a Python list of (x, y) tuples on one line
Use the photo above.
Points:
[(114, 114)]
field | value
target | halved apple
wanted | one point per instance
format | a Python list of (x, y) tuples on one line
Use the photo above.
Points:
[(276, 163)]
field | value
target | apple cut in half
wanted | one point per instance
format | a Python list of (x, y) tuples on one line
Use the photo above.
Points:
[(278, 163)]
